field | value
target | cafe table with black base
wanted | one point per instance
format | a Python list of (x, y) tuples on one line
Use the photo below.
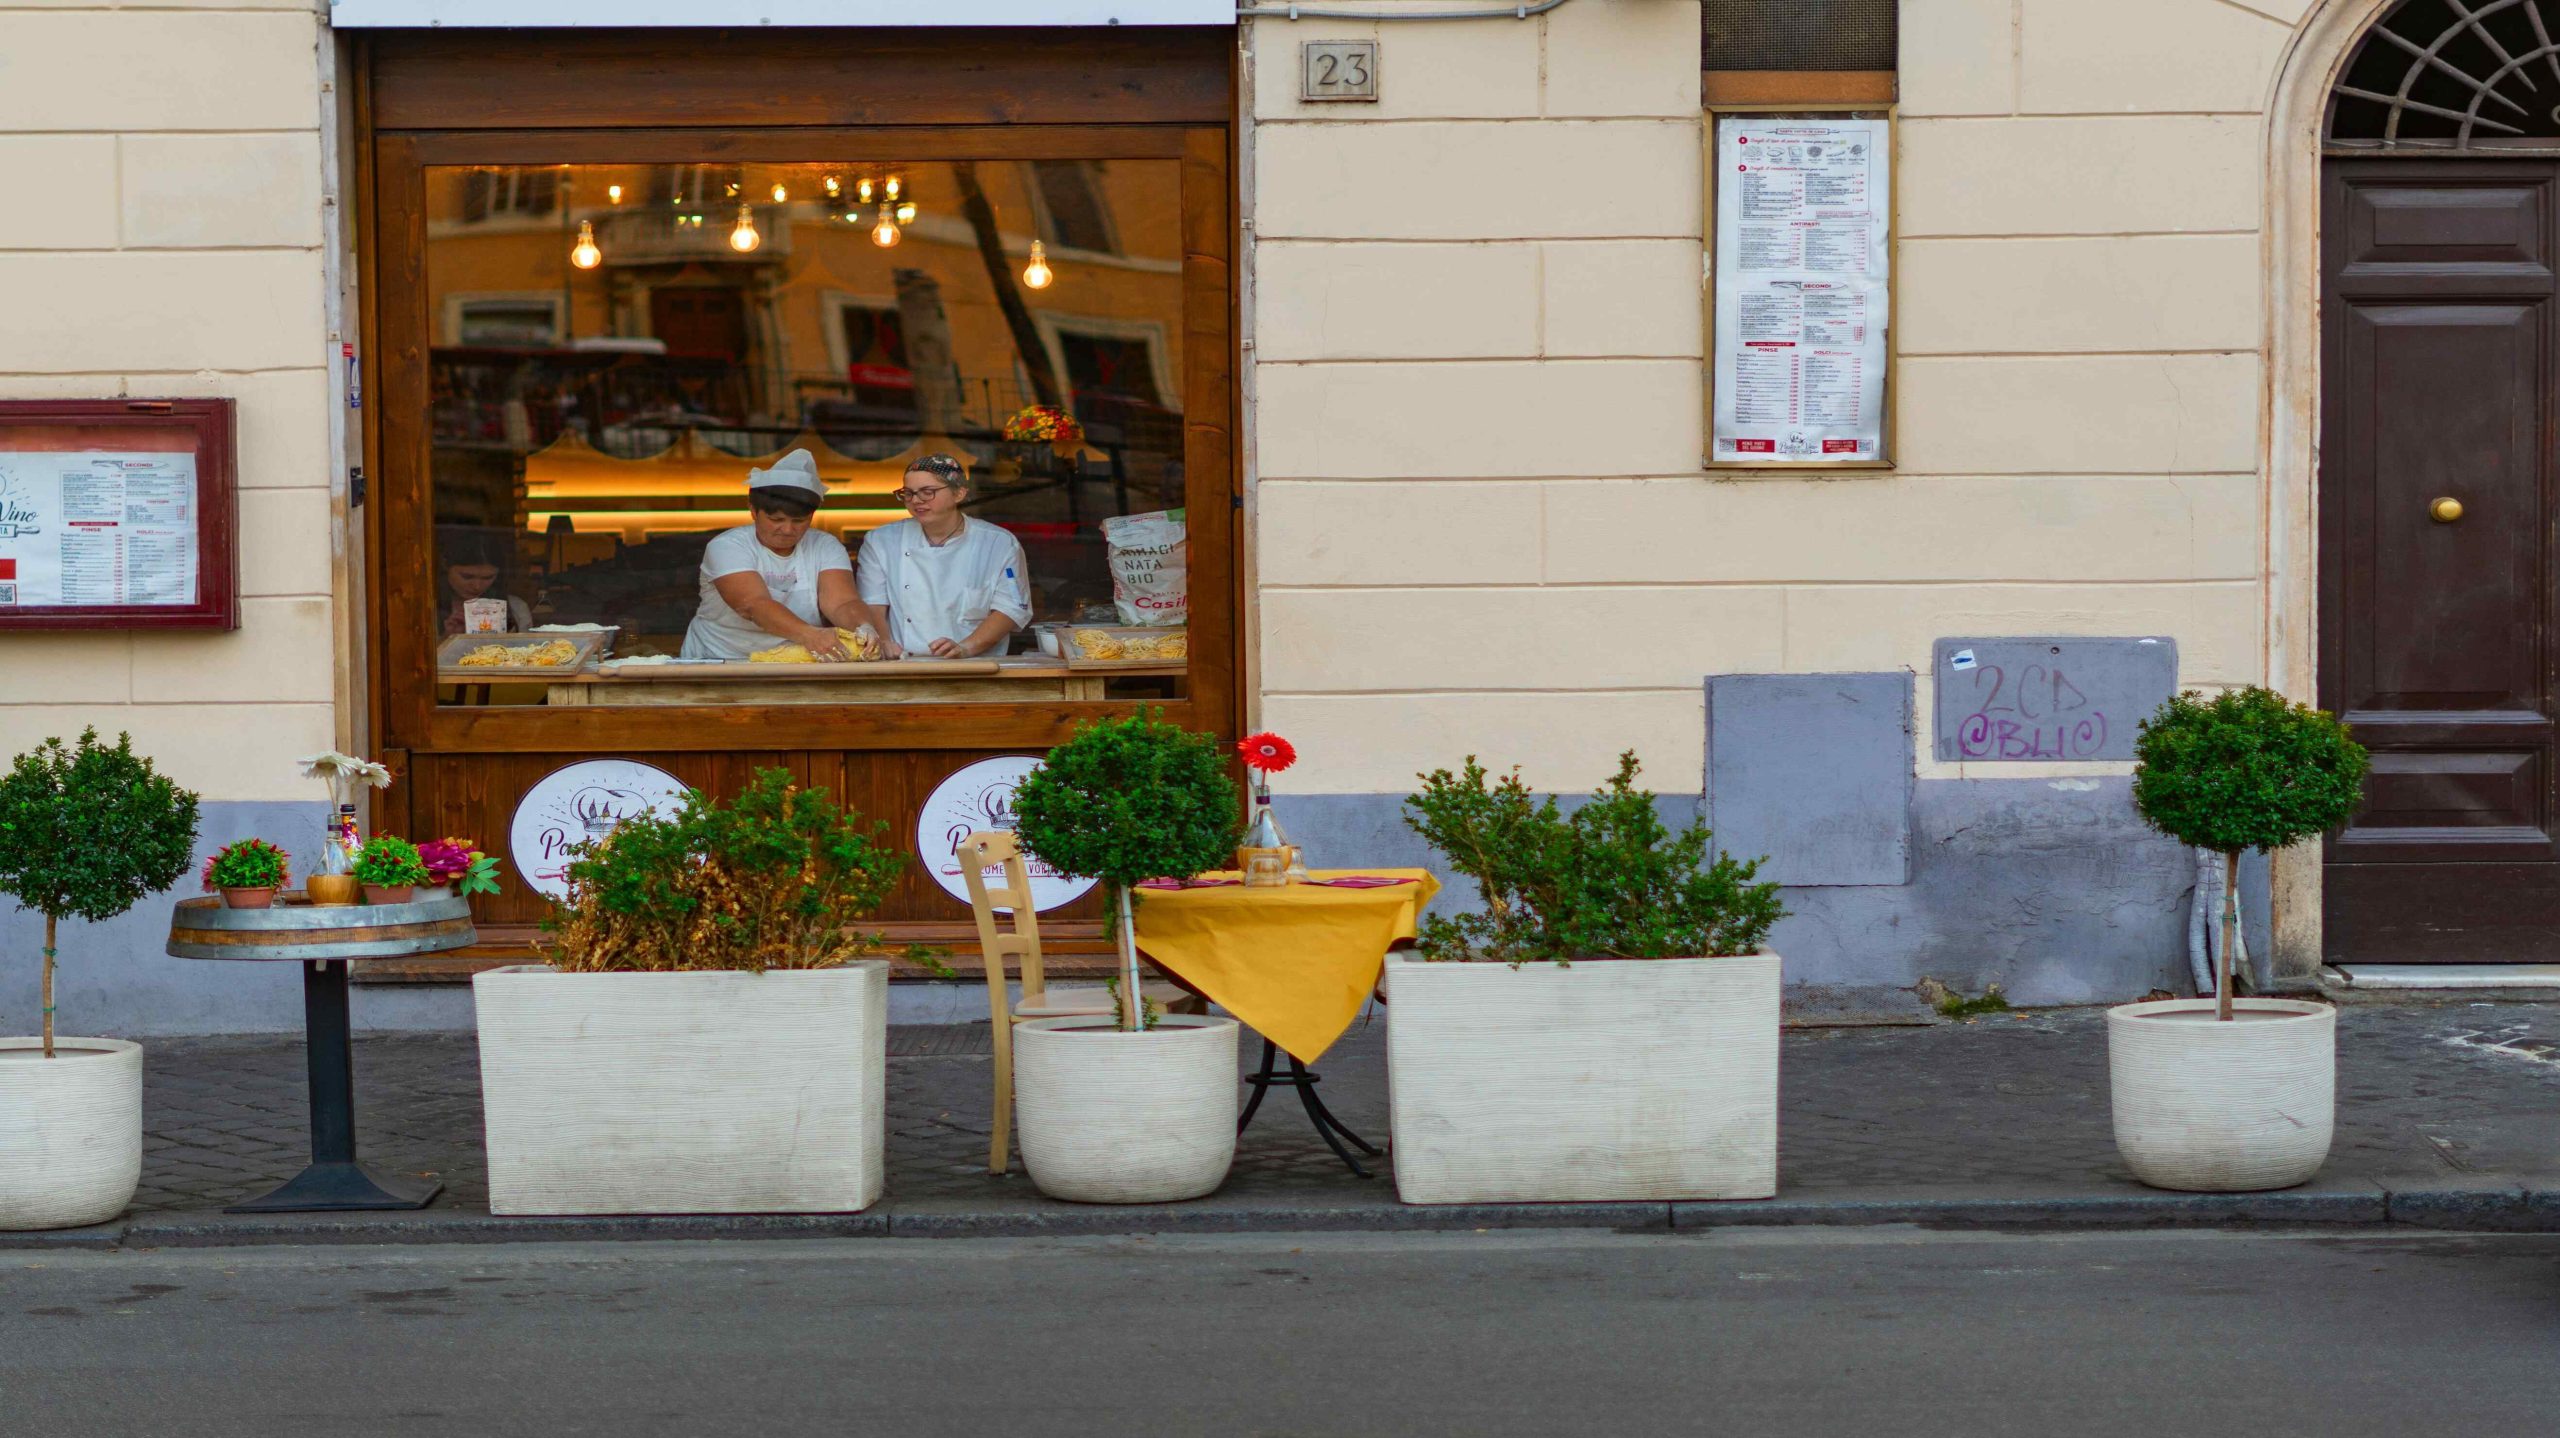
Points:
[(325, 940), (1294, 964)]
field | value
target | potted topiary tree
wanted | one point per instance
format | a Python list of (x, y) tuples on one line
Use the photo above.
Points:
[(1605, 1027), (1143, 1111), (2223, 1094), (707, 1037), (85, 833)]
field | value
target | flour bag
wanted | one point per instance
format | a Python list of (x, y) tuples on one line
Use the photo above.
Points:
[(1149, 554)]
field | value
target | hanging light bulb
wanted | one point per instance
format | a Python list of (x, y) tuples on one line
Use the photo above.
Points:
[(891, 187), (1037, 274), (885, 234), (835, 187), (862, 189), (613, 193), (906, 212), (744, 238), (584, 254), (781, 192)]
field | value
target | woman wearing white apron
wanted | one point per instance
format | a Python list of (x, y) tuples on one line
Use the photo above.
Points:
[(954, 587), (777, 580)]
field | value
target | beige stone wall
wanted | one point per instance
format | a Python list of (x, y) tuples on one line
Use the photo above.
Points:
[(1482, 523), (164, 237)]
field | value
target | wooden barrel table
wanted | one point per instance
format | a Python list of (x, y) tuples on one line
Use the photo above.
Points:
[(325, 940)]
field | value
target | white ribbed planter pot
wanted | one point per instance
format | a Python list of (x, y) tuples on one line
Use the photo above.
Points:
[(1108, 1117), (1602, 1079), (2208, 1107), (70, 1131), (719, 1092)]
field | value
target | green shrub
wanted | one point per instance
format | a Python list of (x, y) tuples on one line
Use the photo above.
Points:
[(1127, 800), (774, 879), (1609, 880), (86, 833), (247, 864), (386, 862), (2245, 770)]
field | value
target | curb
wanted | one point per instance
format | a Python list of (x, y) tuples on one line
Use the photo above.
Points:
[(2339, 1205)]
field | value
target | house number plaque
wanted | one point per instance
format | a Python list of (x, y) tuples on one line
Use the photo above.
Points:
[(1338, 70)]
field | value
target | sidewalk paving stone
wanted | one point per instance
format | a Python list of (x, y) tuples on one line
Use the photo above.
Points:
[(2445, 1119)]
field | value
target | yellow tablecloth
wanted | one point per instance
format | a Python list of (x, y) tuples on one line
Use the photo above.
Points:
[(1292, 964)]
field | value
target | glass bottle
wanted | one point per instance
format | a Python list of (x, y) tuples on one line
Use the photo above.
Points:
[(337, 851)]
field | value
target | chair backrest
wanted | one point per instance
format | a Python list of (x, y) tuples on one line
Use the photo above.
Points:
[(983, 851)]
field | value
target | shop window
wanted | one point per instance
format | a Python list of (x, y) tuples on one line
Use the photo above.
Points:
[(606, 382)]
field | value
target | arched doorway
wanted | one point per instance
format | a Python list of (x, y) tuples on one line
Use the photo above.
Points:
[(2439, 480)]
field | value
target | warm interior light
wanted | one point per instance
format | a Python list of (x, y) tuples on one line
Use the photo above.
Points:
[(835, 187), (781, 193), (1037, 274), (744, 237), (906, 212), (885, 233), (613, 193), (862, 189), (892, 187), (584, 254)]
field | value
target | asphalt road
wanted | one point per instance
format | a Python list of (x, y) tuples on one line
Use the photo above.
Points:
[(1892, 1333)]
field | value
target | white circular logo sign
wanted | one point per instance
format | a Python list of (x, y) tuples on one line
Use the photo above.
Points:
[(981, 797), (579, 804)]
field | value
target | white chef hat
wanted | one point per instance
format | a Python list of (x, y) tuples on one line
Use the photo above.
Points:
[(796, 470)]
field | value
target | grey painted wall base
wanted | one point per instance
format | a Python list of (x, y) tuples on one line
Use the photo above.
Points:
[(2052, 888)]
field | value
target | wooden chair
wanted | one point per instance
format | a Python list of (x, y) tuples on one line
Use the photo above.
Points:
[(977, 854)]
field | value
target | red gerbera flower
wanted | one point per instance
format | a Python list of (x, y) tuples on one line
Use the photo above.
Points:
[(1266, 753)]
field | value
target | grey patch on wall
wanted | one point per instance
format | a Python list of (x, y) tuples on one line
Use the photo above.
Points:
[(2052, 888), (116, 979), (2046, 700), (1812, 773)]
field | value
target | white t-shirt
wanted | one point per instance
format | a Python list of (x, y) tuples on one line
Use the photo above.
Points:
[(944, 591), (720, 632)]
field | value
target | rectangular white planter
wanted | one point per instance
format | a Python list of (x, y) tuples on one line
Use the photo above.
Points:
[(718, 1092), (1603, 1079)]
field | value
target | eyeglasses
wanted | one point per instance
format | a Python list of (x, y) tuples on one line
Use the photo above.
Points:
[(910, 496)]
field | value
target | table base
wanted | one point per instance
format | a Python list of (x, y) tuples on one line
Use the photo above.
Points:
[(1332, 1130), (341, 1188)]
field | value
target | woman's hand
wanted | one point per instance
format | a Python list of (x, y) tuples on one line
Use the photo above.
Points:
[(824, 645)]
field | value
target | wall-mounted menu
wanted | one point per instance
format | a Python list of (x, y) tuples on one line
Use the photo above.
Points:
[(1803, 286), (97, 528)]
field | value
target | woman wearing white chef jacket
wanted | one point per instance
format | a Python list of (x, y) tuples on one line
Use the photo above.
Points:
[(776, 580), (954, 587)]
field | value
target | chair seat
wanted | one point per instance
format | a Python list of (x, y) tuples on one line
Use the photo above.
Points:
[(1086, 1003)]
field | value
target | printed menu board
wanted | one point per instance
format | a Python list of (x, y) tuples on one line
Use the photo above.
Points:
[(1802, 288), (93, 528)]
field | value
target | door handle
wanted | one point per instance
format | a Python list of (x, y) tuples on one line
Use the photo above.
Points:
[(2445, 510)]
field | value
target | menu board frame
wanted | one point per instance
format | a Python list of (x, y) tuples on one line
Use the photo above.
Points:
[(1719, 271), (206, 427)]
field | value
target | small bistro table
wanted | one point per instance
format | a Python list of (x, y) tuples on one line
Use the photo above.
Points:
[(324, 940), (1294, 964)]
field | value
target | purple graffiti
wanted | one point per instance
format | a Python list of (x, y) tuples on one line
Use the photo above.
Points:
[(2040, 715)]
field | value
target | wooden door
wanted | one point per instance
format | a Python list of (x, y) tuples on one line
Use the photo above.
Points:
[(699, 322), (2435, 643)]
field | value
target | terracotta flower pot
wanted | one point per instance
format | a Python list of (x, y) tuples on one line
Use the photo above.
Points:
[(263, 897), (333, 890), (389, 893)]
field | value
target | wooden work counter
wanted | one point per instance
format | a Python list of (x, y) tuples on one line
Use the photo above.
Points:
[(1016, 678)]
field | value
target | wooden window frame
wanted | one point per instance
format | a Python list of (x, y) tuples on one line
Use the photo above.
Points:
[(401, 568)]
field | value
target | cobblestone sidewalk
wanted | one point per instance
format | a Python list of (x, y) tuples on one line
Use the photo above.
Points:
[(2444, 1107)]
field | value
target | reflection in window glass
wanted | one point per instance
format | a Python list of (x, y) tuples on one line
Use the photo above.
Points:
[(616, 348)]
